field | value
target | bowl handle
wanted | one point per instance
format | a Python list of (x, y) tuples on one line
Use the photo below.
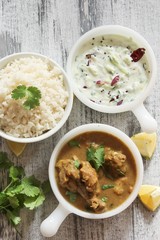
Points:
[(147, 122), (51, 224)]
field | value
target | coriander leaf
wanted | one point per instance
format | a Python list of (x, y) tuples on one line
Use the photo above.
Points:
[(96, 156), (90, 153), (14, 190), (99, 155), (12, 216), (3, 199), (31, 103), (34, 202), (31, 94), (5, 163), (72, 196), (105, 186), (76, 163), (19, 92), (74, 143), (104, 199), (16, 173), (46, 187), (34, 181), (29, 189), (13, 202), (34, 92)]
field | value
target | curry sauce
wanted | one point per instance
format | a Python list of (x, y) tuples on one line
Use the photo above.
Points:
[(95, 172)]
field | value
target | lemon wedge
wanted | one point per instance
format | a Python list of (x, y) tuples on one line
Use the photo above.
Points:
[(146, 143), (150, 196), (16, 148)]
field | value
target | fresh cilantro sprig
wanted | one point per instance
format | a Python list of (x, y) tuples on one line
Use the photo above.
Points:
[(96, 156), (76, 163), (31, 94), (20, 192)]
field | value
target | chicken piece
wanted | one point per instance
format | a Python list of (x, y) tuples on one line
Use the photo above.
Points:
[(89, 177), (97, 204), (83, 180), (119, 185), (68, 174), (115, 163)]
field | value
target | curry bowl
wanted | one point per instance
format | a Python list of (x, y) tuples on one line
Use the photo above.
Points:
[(35, 97), (92, 184), (113, 69)]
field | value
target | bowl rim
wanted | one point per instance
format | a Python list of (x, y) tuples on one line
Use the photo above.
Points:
[(100, 128), (121, 31), (68, 108)]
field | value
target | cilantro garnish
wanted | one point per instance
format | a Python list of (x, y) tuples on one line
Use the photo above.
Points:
[(21, 191), (105, 186), (96, 156), (31, 95), (76, 163), (74, 143), (72, 196)]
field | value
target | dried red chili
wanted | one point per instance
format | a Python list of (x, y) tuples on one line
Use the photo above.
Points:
[(115, 80), (137, 54)]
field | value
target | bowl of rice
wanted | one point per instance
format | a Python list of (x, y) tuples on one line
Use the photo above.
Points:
[(32, 71)]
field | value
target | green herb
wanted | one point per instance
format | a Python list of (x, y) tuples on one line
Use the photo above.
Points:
[(104, 199), (96, 156), (21, 191), (76, 163), (31, 95), (105, 186), (107, 173), (74, 143), (5, 163), (72, 196)]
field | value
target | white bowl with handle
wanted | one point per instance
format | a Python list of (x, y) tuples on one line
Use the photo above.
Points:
[(147, 122), (51, 224)]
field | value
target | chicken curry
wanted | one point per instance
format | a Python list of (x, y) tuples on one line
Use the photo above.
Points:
[(95, 172)]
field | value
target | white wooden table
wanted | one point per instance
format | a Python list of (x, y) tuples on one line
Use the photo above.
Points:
[(51, 27)]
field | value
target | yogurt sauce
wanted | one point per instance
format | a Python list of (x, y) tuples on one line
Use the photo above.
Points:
[(106, 73)]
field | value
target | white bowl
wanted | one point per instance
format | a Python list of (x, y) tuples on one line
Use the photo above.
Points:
[(147, 123), (50, 225), (3, 62)]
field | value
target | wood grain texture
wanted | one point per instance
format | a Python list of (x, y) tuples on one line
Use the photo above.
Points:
[(51, 27)]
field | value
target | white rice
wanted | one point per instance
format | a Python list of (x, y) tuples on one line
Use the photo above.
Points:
[(31, 71)]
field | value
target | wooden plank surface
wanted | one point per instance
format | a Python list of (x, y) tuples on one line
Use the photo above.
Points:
[(51, 27)]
